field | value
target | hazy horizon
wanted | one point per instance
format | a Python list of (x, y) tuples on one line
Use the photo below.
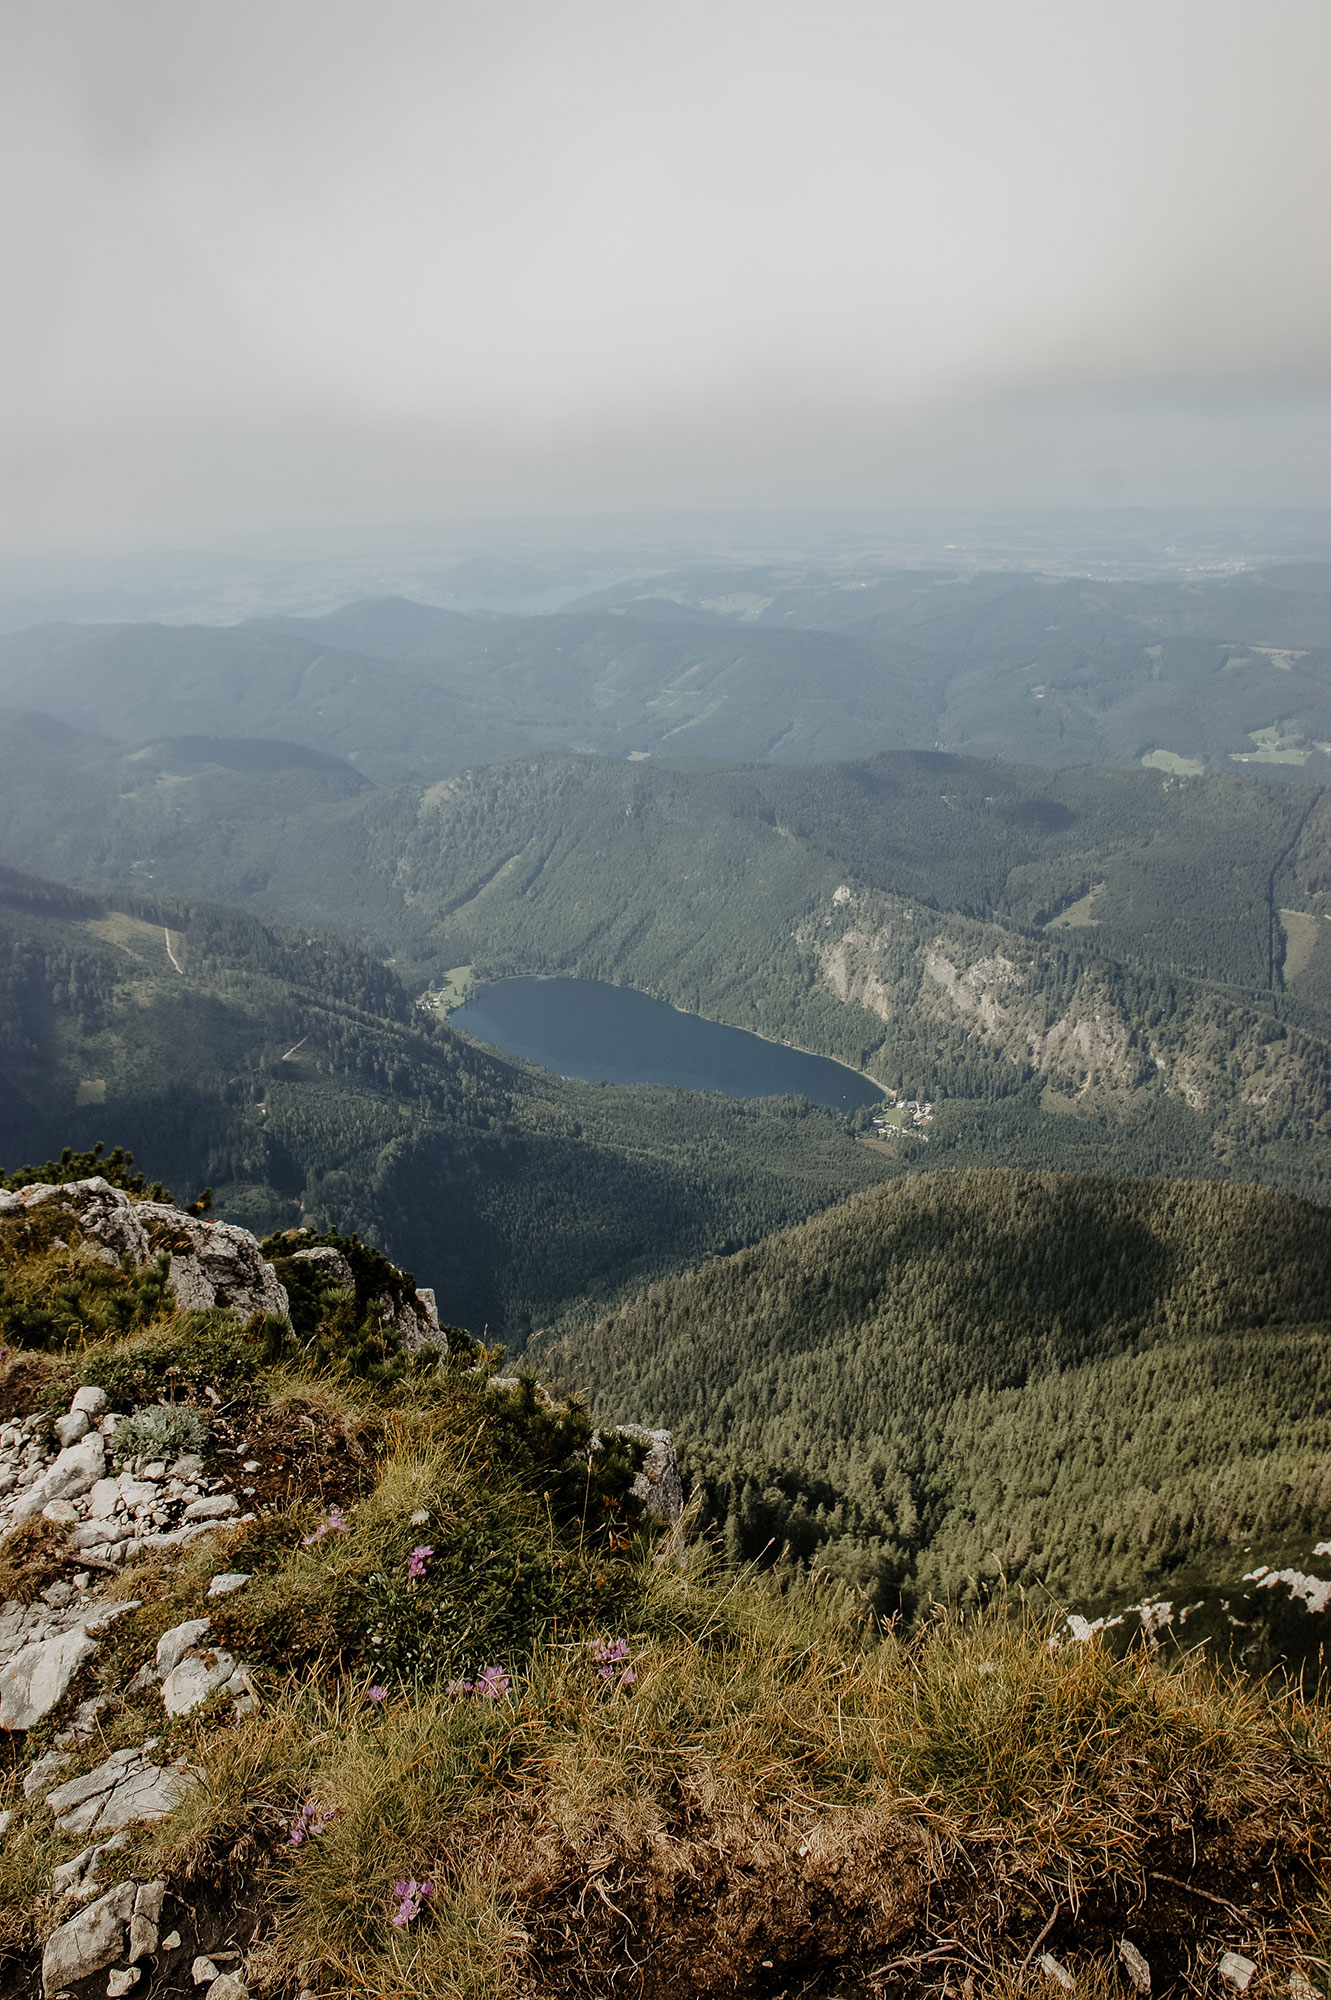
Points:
[(328, 266)]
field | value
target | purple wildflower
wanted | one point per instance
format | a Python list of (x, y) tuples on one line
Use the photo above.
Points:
[(310, 1820), (610, 1659), (410, 1896), (417, 1560), (334, 1521), (376, 1694), (492, 1683)]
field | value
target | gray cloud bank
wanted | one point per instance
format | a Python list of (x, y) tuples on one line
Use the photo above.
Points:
[(310, 261)]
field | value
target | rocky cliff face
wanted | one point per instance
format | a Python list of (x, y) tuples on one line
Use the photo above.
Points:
[(211, 1263), (1071, 1019)]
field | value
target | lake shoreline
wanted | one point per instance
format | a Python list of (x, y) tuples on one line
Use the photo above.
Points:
[(559, 1042)]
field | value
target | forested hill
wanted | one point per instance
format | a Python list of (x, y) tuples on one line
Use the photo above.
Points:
[(1102, 968), (294, 1075), (1199, 674), (1083, 1383), (790, 663)]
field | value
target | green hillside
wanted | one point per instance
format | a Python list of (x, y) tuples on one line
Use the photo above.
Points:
[(789, 664), (294, 1075), (1070, 1382), (434, 1698), (1203, 674), (1093, 969)]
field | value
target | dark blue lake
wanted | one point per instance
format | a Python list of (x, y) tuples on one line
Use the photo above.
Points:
[(612, 1034)]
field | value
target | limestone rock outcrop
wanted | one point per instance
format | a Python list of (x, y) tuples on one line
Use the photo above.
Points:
[(414, 1320), (659, 1485), (122, 1924), (212, 1263)]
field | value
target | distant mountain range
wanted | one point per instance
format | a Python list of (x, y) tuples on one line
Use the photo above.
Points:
[(776, 665)]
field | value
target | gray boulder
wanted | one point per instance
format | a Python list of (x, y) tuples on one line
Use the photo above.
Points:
[(213, 1263), (109, 1220), (173, 1645), (73, 1471), (415, 1321), (329, 1262), (91, 1941), (38, 1677), (124, 1791)]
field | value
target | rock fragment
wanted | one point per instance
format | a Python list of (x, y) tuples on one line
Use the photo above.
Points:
[(1052, 1969), (173, 1645), (79, 1877), (229, 1580), (1138, 1971), (1236, 1970), (75, 1469), (659, 1485), (143, 1923), (123, 1791), (198, 1675), (46, 1768)]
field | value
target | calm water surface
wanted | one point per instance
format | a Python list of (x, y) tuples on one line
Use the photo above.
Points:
[(612, 1034)]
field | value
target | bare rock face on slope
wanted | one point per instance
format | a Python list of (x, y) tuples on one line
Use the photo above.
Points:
[(212, 1263), (414, 1320), (659, 1485)]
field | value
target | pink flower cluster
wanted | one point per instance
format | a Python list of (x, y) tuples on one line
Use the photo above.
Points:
[(490, 1684), (410, 1896), (312, 1819), (417, 1561), (332, 1524), (610, 1659)]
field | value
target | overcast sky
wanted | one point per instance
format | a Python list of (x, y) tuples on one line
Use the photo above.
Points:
[(278, 263)]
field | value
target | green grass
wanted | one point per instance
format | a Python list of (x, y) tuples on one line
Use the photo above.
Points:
[(770, 1791)]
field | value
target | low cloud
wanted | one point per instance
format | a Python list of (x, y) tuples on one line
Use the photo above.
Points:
[(335, 261)]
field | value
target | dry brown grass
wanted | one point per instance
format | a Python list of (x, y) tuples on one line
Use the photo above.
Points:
[(32, 1556), (770, 1810), (782, 1802)]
